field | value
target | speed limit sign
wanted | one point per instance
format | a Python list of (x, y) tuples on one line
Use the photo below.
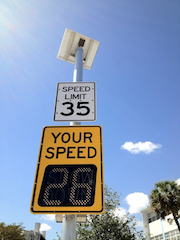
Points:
[(75, 101)]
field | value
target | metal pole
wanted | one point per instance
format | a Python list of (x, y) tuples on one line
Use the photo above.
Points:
[(78, 65), (69, 221), (69, 227), (78, 72)]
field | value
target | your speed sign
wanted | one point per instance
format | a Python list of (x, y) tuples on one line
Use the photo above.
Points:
[(75, 102)]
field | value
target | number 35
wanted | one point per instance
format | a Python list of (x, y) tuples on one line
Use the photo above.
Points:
[(80, 105)]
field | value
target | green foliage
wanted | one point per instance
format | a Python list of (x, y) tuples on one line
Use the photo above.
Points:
[(109, 226), (11, 232), (165, 199), (58, 237)]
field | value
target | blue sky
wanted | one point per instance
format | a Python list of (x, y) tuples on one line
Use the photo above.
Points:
[(137, 73)]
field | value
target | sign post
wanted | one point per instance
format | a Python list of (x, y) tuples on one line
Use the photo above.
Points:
[(69, 221), (69, 173), (82, 59)]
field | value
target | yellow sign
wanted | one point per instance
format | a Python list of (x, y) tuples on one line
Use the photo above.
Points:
[(69, 173)]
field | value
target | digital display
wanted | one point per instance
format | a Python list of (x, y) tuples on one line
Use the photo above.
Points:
[(68, 185), (69, 172)]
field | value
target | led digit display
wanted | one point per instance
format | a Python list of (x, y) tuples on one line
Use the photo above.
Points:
[(68, 185)]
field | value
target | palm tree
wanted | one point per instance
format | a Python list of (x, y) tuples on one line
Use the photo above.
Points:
[(165, 199)]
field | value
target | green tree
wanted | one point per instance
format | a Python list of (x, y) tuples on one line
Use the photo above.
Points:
[(58, 237), (11, 232), (109, 225), (165, 199)]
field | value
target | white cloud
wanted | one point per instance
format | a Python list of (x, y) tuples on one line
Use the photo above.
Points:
[(136, 201), (146, 147), (120, 212), (44, 227), (48, 217)]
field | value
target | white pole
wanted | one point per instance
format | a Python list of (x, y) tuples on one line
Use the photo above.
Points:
[(78, 72), (69, 227), (78, 65), (69, 221)]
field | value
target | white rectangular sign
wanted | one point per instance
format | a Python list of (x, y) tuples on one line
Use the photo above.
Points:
[(75, 101)]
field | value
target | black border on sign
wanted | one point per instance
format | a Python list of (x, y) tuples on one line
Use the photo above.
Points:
[(37, 171), (72, 120)]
